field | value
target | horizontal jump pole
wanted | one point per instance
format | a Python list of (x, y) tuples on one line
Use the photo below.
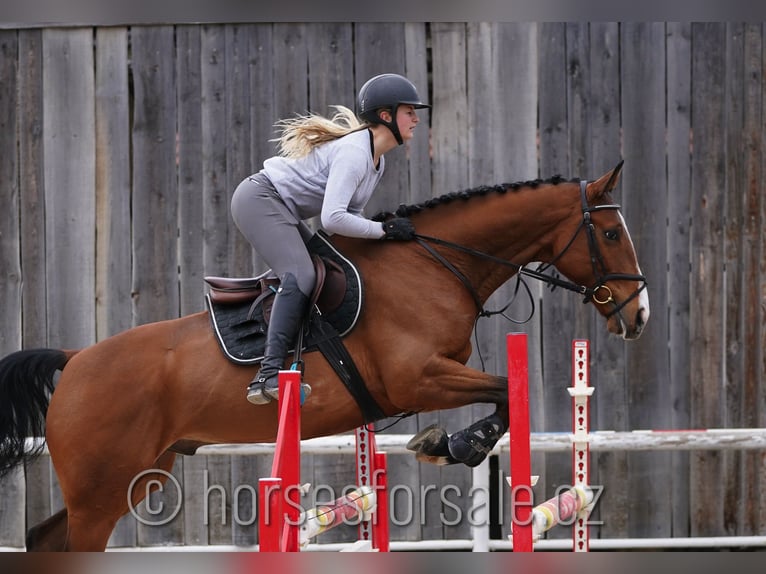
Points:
[(357, 506), (560, 509), (637, 440), (456, 544)]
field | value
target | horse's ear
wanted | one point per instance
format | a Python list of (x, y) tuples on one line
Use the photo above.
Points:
[(605, 183)]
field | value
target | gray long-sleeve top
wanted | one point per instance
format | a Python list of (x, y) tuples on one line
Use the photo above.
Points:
[(335, 180)]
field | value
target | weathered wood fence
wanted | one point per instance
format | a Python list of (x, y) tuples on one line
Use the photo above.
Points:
[(120, 148)]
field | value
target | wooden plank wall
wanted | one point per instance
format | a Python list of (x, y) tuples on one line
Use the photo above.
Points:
[(116, 189), (678, 154), (12, 508)]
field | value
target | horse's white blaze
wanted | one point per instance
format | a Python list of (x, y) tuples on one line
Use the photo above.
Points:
[(643, 297)]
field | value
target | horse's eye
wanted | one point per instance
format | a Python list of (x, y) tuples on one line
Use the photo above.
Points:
[(611, 234)]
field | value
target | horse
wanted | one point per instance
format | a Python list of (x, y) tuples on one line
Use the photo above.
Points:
[(131, 402)]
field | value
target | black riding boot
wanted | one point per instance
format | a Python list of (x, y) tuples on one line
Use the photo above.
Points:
[(287, 314)]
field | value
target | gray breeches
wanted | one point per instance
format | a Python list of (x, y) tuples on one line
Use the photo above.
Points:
[(275, 233)]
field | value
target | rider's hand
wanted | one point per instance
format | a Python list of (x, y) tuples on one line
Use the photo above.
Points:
[(399, 229)]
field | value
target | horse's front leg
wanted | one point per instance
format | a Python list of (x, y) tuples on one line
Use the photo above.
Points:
[(449, 384)]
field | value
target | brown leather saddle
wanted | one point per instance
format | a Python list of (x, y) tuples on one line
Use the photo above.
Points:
[(240, 308), (328, 294)]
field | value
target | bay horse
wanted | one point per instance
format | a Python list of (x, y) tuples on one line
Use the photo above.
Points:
[(125, 404)]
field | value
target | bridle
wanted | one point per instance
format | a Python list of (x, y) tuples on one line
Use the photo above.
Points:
[(600, 292)]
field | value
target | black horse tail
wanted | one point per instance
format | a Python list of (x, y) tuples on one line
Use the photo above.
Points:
[(26, 383)]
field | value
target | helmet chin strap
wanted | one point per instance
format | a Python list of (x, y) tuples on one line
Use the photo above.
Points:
[(395, 130), (393, 126)]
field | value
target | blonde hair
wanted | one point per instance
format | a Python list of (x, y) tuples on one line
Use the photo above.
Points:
[(302, 133)]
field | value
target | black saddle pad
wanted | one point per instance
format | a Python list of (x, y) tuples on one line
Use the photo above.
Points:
[(241, 330)]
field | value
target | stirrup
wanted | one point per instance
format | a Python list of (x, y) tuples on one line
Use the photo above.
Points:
[(273, 393), (260, 394), (256, 393)]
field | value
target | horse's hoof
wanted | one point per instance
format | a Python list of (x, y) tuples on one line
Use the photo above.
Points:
[(431, 445), (437, 460), (431, 440)]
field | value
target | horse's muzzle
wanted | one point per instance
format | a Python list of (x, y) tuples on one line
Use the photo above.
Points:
[(630, 330)]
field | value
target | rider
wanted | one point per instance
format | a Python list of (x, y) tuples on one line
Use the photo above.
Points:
[(327, 167)]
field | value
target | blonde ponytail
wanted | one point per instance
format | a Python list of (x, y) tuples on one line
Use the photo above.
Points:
[(300, 134)]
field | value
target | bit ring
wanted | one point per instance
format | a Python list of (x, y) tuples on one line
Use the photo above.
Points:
[(607, 299)]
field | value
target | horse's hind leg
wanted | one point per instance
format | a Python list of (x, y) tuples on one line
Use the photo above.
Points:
[(473, 444), (449, 384), (469, 446), (49, 535), (93, 512)]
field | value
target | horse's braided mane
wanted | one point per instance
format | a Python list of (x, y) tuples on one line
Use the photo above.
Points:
[(408, 210)]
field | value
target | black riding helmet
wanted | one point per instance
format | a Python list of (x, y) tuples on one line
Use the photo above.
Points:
[(387, 91)]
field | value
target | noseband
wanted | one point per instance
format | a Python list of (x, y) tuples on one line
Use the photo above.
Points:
[(600, 292)]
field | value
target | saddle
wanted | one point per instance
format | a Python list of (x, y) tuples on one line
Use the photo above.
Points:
[(329, 290), (240, 309)]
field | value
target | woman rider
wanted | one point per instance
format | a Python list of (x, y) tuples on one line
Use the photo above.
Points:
[(325, 167)]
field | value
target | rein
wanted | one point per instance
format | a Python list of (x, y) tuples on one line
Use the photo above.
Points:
[(600, 293)]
